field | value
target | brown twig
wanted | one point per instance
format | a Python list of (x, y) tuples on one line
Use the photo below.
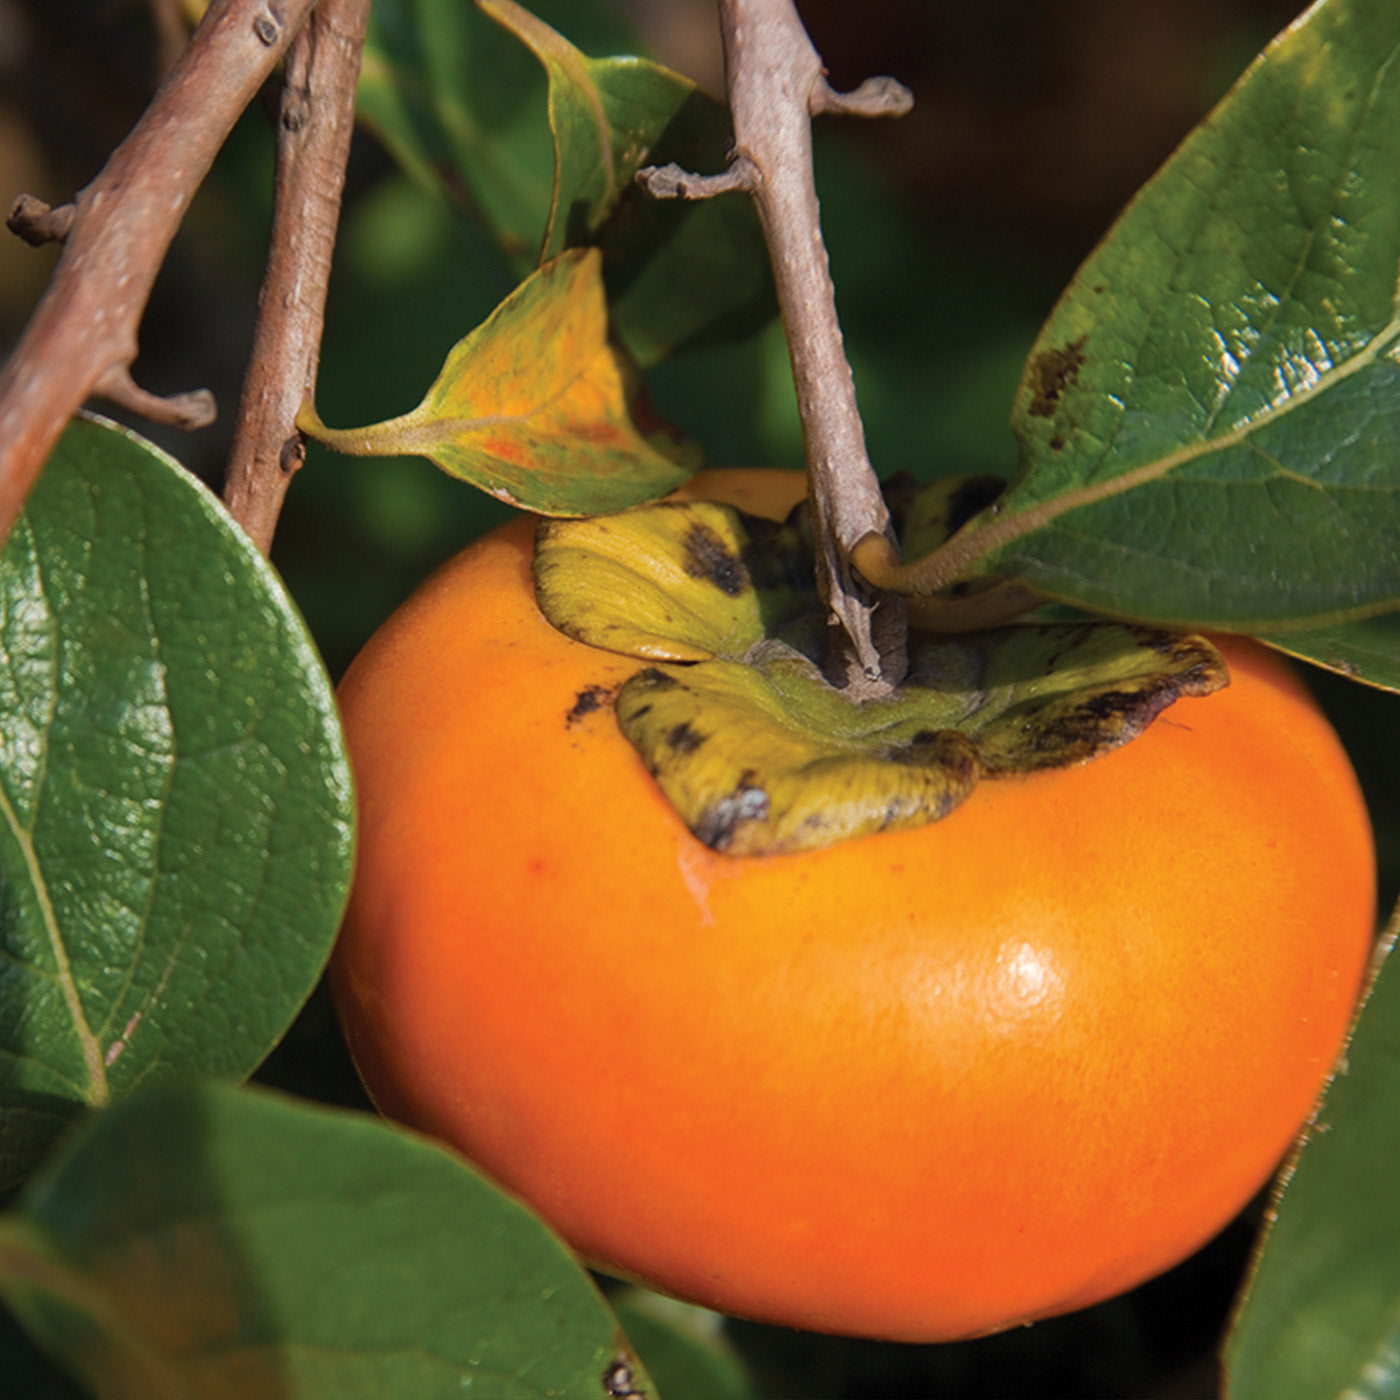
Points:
[(194, 409), (776, 84), (83, 335), (317, 116)]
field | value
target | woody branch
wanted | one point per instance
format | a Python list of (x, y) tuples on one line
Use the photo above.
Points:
[(776, 83), (82, 338)]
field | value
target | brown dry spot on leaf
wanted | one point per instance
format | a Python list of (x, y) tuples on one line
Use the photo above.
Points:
[(1050, 373)]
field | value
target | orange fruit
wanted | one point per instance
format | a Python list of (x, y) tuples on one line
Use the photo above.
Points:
[(919, 1085)]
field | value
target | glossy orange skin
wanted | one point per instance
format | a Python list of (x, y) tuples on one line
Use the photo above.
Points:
[(921, 1085)]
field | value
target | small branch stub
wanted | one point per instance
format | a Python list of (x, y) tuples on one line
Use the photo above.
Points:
[(674, 182), (875, 97), (266, 27), (39, 223), (194, 409), (776, 83)]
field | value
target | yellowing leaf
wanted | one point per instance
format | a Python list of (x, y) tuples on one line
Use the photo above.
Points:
[(679, 582), (534, 406)]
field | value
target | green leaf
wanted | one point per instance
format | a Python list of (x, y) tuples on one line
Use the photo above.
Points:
[(758, 752), (461, 104), (462, 107), (679, 273), (1321, 1315), (1210, 420), (1367, 651), (206, 1243), (594, 159), (175, 802), (533, 406)]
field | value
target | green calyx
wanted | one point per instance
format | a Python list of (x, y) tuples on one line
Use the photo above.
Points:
[(758, 752)]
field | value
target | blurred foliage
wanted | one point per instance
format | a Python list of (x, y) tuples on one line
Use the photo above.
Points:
[(951, 233)]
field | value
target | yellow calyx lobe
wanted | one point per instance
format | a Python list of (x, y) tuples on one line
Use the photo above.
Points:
[(758, 752)]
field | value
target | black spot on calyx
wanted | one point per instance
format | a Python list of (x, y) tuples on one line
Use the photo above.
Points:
[(900, 492), (683, 739), (1101, 722), (775, 553), (708, 557), (947, 751), (653, 679), (589, 700), (1052, 372)]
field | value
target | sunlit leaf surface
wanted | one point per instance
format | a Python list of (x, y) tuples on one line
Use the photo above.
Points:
[(175, 805)]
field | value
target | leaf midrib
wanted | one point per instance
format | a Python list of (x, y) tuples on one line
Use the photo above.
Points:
[(92, 1051), (957, 559), (98, 1090)]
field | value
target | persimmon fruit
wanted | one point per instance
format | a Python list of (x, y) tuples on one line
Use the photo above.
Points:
[(919, 1085)]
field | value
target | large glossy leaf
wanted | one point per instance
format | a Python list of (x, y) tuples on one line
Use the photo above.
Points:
[(679, 273), (533, 406), (1210, 420), (175, 804), (1322, 1313), (208, 1243)]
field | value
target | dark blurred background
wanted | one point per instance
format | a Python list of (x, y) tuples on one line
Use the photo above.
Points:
[(951, 233)]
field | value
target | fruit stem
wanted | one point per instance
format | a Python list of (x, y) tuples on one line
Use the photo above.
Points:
[(776, 84)]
